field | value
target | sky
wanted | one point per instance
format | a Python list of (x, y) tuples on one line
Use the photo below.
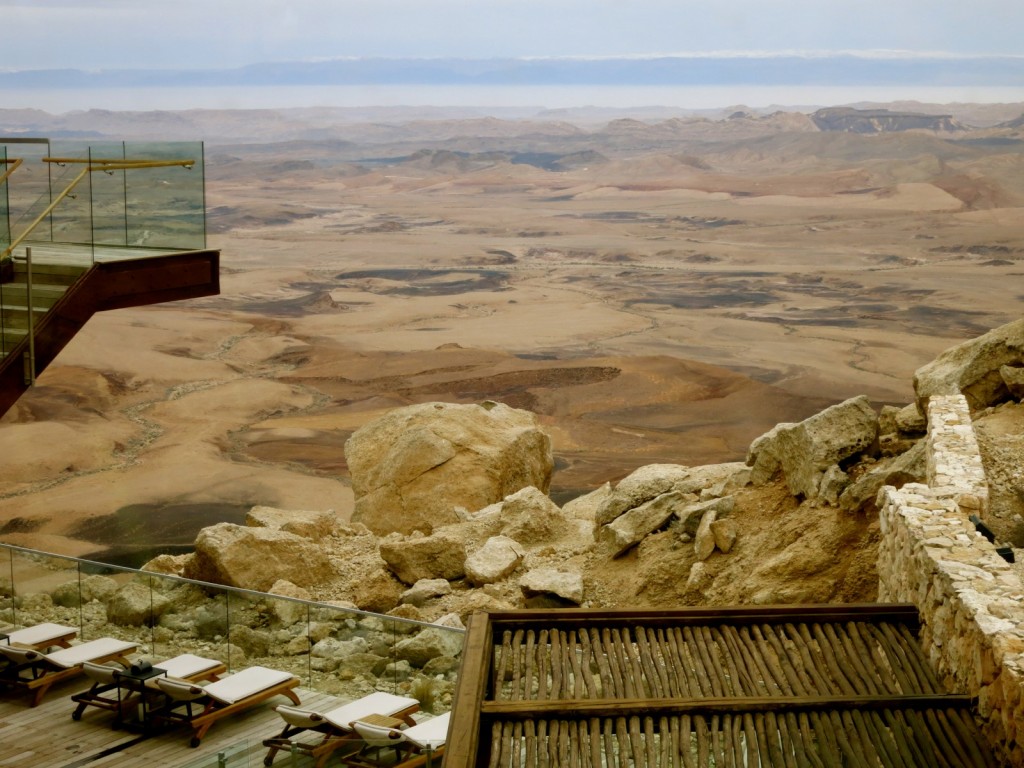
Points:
[(177, 34)]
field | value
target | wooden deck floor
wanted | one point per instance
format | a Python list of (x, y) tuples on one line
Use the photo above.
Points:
[(47, 737)]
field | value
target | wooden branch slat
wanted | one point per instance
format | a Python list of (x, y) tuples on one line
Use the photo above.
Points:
[(838, 672), (587, 658), (903, 637), (517, 641), (687, 741), (894, 661), (714, 651), (702, 669), (818, 681), (750, 678), (775, 638), (555, 692)]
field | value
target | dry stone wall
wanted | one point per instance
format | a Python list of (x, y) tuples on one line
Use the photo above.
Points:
[(969, 597)]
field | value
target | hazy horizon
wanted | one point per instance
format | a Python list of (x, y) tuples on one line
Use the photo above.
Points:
[(522, 99)]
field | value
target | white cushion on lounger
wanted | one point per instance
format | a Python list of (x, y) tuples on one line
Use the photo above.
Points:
[(185, 665), (40, 633), (94, 649), (429, 734), (243, 684), (379, 703)]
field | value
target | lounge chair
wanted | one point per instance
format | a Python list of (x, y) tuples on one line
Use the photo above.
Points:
[(40, 637), (201, 706), (112, 691), (422, 743), (335, 726), (36, 672)]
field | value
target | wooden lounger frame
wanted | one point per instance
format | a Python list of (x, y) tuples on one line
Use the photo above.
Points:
[(214, 710), (96, 695), (770, 685), (333, 739), (43, 676)]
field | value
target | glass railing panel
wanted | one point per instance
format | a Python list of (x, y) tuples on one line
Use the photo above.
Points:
[(28, 186), (5, 206), (71, 218), (108, 601), (108, 188), (331, 649), (165, 206), (276, 635), (35, 576)]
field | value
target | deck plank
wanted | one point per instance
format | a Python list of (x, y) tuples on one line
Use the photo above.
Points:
[(47, 736)]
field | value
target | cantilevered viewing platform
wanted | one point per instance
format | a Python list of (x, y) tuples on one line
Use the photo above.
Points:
[(86, 227)]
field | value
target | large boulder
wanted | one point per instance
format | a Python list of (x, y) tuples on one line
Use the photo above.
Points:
[(431, 643), (413, 466), (973, 368), (440, 556), (136, 605), (256, 558), (805, 451)]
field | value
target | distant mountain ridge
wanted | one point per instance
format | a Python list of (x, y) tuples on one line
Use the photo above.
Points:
[(881, 120), (825, 69)]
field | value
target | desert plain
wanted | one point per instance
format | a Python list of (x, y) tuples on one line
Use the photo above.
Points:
[(657, 290)]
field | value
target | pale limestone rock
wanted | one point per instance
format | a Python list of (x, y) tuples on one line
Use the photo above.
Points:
[(425, 589), (887, 420), (171, 565), (531, 518), (540, 581), (704, 540), (714, 479), (911, 421), (428, 644), (412, 467), (763, 457), (833, 481), (285, 611), (255, 558), (440, 556), (909, 467), (725, 534), (640, 486), (136, 605), (585, 507), (307, 523), (496, 559), (95, 587), (1013, 378), (973, 368), (450, 620), (699, 578), (377, 591), (804, 451), (629, 529), (691, 514)]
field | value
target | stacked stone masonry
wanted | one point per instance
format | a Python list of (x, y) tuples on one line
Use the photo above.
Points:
[(971, 600)]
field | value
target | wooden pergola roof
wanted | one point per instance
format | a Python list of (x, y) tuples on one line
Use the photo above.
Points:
[(785, 686)]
